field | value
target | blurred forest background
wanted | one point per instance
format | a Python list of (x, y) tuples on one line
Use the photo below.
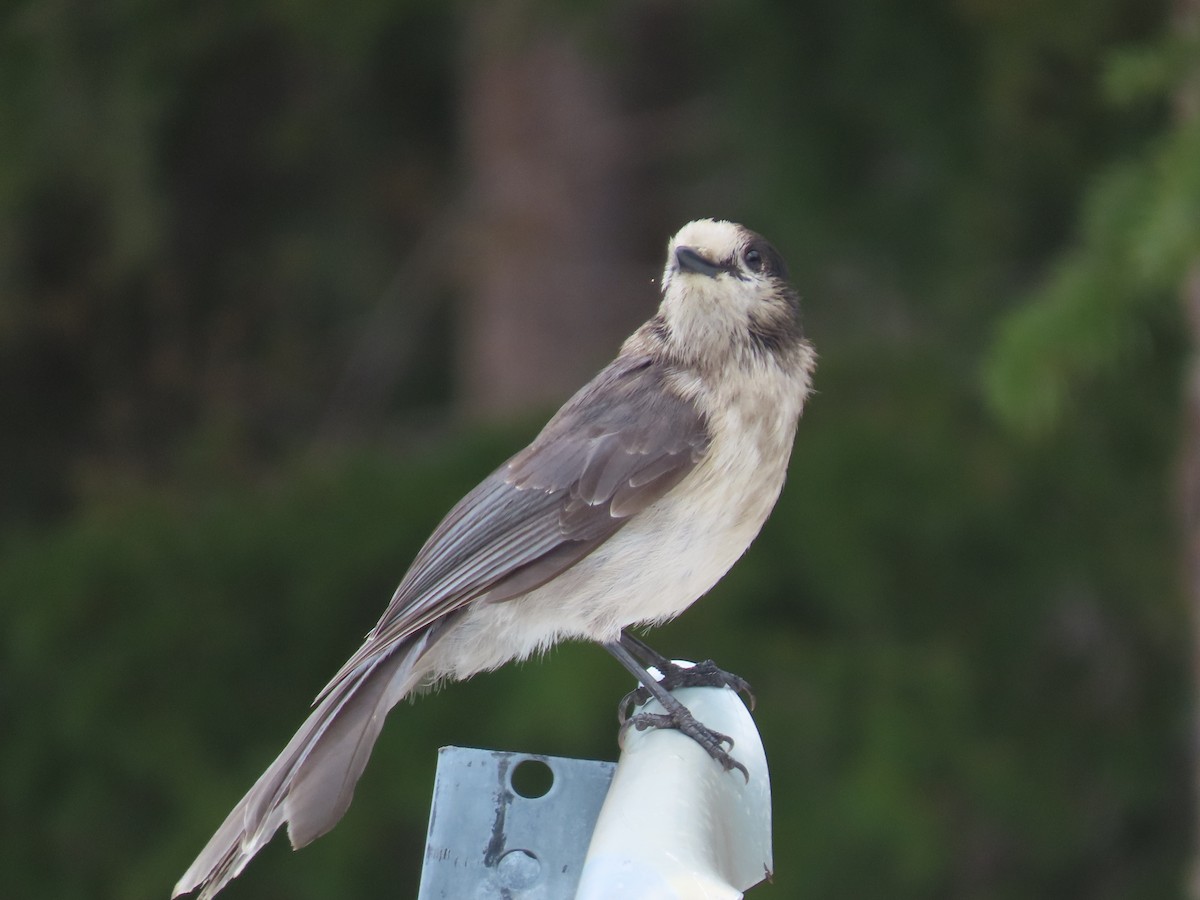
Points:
[(281, 279)]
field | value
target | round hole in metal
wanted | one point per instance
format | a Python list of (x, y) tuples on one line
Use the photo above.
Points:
[(532, 778)]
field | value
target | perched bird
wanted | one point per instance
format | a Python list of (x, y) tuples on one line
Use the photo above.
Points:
[(635, 499)]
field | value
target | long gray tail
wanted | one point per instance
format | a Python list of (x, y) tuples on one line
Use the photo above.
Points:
[(311, 783)]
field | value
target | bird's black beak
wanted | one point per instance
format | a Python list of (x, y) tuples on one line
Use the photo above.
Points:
[(688, 260)]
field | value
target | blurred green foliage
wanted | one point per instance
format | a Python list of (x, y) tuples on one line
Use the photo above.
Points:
[(970, 650), (1140, 237)]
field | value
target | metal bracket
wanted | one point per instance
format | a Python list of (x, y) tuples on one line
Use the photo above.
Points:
[(510, 826)]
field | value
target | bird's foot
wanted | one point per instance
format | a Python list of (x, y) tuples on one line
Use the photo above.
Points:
[(684, 722), (628, 651), (703, 674)]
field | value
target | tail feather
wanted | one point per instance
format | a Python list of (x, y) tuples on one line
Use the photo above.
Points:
[(311, 783)]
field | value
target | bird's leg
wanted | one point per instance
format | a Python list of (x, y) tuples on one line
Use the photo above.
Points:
[(677, 715), (702, 674)]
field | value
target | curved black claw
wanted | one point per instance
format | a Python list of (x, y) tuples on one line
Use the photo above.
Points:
[(685, 723), (639, 696), (709, 674)]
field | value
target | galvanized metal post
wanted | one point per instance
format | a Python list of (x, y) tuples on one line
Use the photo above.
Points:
[(672, 825)]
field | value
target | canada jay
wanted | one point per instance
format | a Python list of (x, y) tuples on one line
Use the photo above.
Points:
[(634, 500)]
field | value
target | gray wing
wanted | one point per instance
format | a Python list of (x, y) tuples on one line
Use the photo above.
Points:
[(617, 446)]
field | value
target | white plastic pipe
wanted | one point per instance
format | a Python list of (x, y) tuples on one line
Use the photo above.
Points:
[(675, 825)]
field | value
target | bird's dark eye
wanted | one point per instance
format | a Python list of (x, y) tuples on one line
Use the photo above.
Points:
[(753, 259)]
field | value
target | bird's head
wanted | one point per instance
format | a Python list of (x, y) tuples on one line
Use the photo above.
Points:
[(725, 290)]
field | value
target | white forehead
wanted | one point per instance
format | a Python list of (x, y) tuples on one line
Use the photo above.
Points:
[(719, 238)]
